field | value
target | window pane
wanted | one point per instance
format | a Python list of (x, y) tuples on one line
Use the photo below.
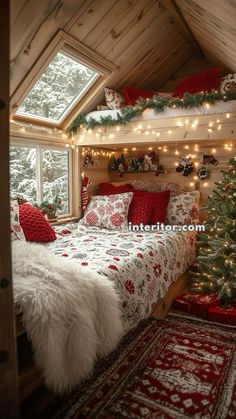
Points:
[(56, 177), (63, 82), (23, 173)]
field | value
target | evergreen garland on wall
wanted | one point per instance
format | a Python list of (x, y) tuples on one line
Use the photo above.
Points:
[(157, 103)]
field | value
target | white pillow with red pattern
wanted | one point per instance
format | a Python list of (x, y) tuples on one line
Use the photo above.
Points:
[(108, 211), (152, 186), (184, 209), (113, 99)]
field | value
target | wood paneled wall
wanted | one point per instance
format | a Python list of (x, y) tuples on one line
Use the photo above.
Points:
[(168, 160), (192, 66), (138, 36), (213, 24), (97, 173)]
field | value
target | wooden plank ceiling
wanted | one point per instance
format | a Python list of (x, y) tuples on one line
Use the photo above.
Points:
[(138, 36), (141, 37), (213, 23)]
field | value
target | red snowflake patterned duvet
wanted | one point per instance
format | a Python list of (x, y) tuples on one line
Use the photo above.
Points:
[(142, 265)]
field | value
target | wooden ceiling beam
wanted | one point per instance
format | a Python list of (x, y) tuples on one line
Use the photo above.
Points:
[(175, 12)]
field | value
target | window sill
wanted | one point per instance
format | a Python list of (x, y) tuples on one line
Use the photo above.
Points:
[(63, 221)]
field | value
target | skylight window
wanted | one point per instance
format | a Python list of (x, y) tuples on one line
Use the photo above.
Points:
[(63, 82)]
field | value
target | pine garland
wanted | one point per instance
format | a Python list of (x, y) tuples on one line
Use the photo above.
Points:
[(157, 103)]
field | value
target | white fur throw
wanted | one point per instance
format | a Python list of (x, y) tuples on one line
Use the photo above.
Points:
[(71, 314)]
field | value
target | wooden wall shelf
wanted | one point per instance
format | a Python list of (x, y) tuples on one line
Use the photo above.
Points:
[(166, 130)]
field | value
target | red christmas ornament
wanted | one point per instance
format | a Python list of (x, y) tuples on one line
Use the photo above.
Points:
[(224, 197), (227, 187)]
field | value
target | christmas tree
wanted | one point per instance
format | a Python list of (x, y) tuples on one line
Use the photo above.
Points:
[(216, 272)]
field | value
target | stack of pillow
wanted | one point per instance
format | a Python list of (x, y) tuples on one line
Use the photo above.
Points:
[(204, 81), (115, 206)]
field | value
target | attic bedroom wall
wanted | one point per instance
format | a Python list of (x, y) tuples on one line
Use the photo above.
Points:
[(213, 25), (138, 36), (192, 66)]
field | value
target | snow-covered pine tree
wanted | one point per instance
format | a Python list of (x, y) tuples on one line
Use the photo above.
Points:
[(57, 87), (54, 174), (216, 271)]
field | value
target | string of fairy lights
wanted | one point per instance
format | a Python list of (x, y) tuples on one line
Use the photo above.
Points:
[(192, 151), (105, 134)]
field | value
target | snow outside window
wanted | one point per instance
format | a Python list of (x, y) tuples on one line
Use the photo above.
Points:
[(39, 173), (64, 81)]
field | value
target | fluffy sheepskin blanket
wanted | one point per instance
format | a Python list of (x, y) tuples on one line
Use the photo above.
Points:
[(71, 313)]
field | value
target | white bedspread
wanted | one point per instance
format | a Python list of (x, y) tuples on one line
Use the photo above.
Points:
[(219, 107), (142, 265)]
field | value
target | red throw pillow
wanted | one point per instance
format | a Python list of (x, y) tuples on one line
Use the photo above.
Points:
[(205, 81), (132, 94), (140, 210), (159, 202), (36, 228), (110, 189)]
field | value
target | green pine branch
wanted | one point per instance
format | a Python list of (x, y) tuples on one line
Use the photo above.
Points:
[(157, 103)]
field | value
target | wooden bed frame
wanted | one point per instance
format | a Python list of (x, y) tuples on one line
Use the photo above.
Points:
[(176, 289)]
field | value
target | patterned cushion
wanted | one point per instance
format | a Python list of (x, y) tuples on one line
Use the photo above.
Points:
[(153, 186), (113, 99), (184, 209), (17, 232), (36, 228), (108, 211), (228, 83), (174, 189), (140, 185), (165, 95), (140, 210)]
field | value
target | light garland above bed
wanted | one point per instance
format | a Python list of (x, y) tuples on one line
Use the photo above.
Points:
[(157, 103)]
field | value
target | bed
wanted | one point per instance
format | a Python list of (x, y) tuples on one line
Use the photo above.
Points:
[(149, 114), (143, 266), (210, 121), (79, 294)]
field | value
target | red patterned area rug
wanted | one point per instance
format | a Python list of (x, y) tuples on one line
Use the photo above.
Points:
[(175, 368)]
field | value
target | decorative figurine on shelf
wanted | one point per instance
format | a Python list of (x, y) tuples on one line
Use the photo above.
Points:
[(147, 163), (143, 162), (122, 166), (209, 159), (159, 170), (114, 164), (88, 160), (133, 165), (84, 192), (203, 173), (186, 166)]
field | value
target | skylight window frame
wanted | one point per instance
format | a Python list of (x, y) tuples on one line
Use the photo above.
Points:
[(67, 44)]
